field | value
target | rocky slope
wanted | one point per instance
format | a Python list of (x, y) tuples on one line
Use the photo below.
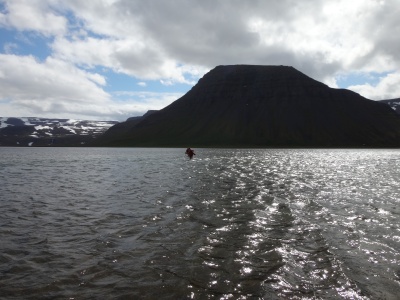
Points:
[(50, 132), (393, 103), (263, 106)]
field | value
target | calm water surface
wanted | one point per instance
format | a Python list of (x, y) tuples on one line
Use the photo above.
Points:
[(98, 223)]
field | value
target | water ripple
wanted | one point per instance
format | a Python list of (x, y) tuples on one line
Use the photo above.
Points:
[(229, 224)]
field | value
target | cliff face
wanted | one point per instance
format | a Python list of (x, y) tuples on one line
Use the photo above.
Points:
[(261, 106)]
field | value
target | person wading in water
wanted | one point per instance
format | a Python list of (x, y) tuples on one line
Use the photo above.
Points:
[(190, 152)]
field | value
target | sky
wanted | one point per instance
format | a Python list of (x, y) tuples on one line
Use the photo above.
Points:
[(113, 59)]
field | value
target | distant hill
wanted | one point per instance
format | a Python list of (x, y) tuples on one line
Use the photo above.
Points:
[(120, 129), (393, 103), (50, 132), (262, 106), (148, 113)]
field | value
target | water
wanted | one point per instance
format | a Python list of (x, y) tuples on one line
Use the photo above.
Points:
[(95, 223)]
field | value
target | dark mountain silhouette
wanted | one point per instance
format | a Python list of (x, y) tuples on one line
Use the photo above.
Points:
[(262, 106), (148, 113), (121, 129)]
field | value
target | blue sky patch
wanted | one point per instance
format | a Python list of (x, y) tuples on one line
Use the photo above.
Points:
[(24, 43), (352, 79)]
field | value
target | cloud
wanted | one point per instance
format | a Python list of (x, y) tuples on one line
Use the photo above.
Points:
[(27, 76), (177, 41), (127, 56), (153, 40), (55, 88), (388, 87), (51, 88), (138, 103), (10, 47), (33, 15)]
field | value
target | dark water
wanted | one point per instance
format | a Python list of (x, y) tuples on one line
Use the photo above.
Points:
[(83, 223)]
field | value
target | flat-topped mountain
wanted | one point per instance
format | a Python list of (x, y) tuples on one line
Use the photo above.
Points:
[(262, 106)]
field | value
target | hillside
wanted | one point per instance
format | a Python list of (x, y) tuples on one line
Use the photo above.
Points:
[(50, 132), (263, 106), (393, 103)]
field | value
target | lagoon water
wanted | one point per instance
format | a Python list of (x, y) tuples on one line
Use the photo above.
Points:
[(111, 223)]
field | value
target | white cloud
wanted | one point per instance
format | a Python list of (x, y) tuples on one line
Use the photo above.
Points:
[(138, 103), (52, 87), (52, 78), (55, 88), (339, 34), (33, 15), (159, 40), (387, 88), (128, 56), (10, 47)]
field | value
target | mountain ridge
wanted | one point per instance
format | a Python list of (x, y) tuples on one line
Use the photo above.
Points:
[(263, 106), (32, 131), (393, 103)]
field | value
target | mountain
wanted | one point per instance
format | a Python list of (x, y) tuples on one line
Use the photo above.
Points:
[(393, 103), (120, 129), (262, 106), (50, 132)]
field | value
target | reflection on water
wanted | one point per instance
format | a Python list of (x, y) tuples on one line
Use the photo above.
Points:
[(229, 224)]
